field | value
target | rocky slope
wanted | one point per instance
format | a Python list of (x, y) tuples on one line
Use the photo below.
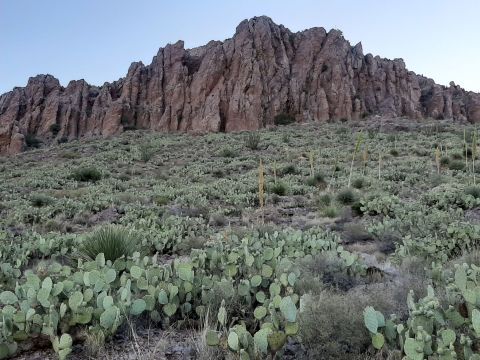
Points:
[(239, 84)]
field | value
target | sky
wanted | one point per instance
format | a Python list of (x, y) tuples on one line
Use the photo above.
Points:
[(96, 40)]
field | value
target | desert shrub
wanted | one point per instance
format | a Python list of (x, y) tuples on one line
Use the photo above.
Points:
[(289, 170), (358, 183), (218, 173), (252, 140), (324, 200), (111, 241), (160, 200), (316, 180), (457, 156), (330, 211), (54, 129), (456, 165), (146, 152), (331, 326), (217, 219), (86, 174), (356, 233), (391, 138), (228, 153), (444, 160), (39, 200), (284, 119), (473, 191), (346, 197), (32, 141), (70, 155), (279, 189)]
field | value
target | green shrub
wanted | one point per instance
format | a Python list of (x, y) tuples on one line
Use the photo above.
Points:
[(228, 153), (279, 189), (473, 191), (70, 155), (55, 129), (146, 152), (39, 200), (346, 197), (289, 170), (330, 212), (457, 156), (394, 152), (86, 174), (456, 165), (252, 140), (316, 180), (358, 183), (324, 200), (32, 141), (444, 161), (284, 119), (113, 241)]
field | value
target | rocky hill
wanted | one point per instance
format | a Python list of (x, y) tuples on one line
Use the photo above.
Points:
[(241, 83)]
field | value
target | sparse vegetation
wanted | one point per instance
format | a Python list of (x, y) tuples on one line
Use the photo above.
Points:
[(212, 239)]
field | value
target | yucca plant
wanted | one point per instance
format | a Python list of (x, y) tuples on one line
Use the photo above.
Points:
[(113, 241), (357, 147), (437, 159), (474, 154), (261, 186), (252, 141)]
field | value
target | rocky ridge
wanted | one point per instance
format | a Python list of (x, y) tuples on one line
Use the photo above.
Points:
[(239, 84)]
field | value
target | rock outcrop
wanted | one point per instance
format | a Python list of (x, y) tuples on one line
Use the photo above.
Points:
[(239, 84)]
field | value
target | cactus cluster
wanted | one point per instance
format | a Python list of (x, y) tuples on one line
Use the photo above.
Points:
[(434, 330), (99, 293)]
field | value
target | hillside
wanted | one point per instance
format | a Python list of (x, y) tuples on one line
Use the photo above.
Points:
[(242, 83)]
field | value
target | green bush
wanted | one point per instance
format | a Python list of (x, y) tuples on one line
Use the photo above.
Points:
[(346, 197), (316, 180), (146, 152), (252, 140), (228, 153), (473, 191), (324, 200), (394, 152), (444, 160), (55, 129), (289, 170), (330, 212), (358, 183), (39, 200), (112, 241), (85, 174), (32, 141), (284, 119), (279, 189), (456, 165)]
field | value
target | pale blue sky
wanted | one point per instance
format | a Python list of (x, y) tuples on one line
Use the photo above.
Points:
[(98, 39)]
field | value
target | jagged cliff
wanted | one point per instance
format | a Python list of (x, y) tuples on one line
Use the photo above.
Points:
[(238, 84)]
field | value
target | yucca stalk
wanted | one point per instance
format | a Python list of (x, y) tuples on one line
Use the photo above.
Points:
[(437, 159), (466, 148), (379, 165), (275, 172), (365, 159), (261, 188), (357, 146), (312, 170), (474, 154)]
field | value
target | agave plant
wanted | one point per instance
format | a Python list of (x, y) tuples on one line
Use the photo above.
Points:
[(113, 241)]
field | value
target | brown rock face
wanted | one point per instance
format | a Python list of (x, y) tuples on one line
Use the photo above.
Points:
[(239, 84)]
